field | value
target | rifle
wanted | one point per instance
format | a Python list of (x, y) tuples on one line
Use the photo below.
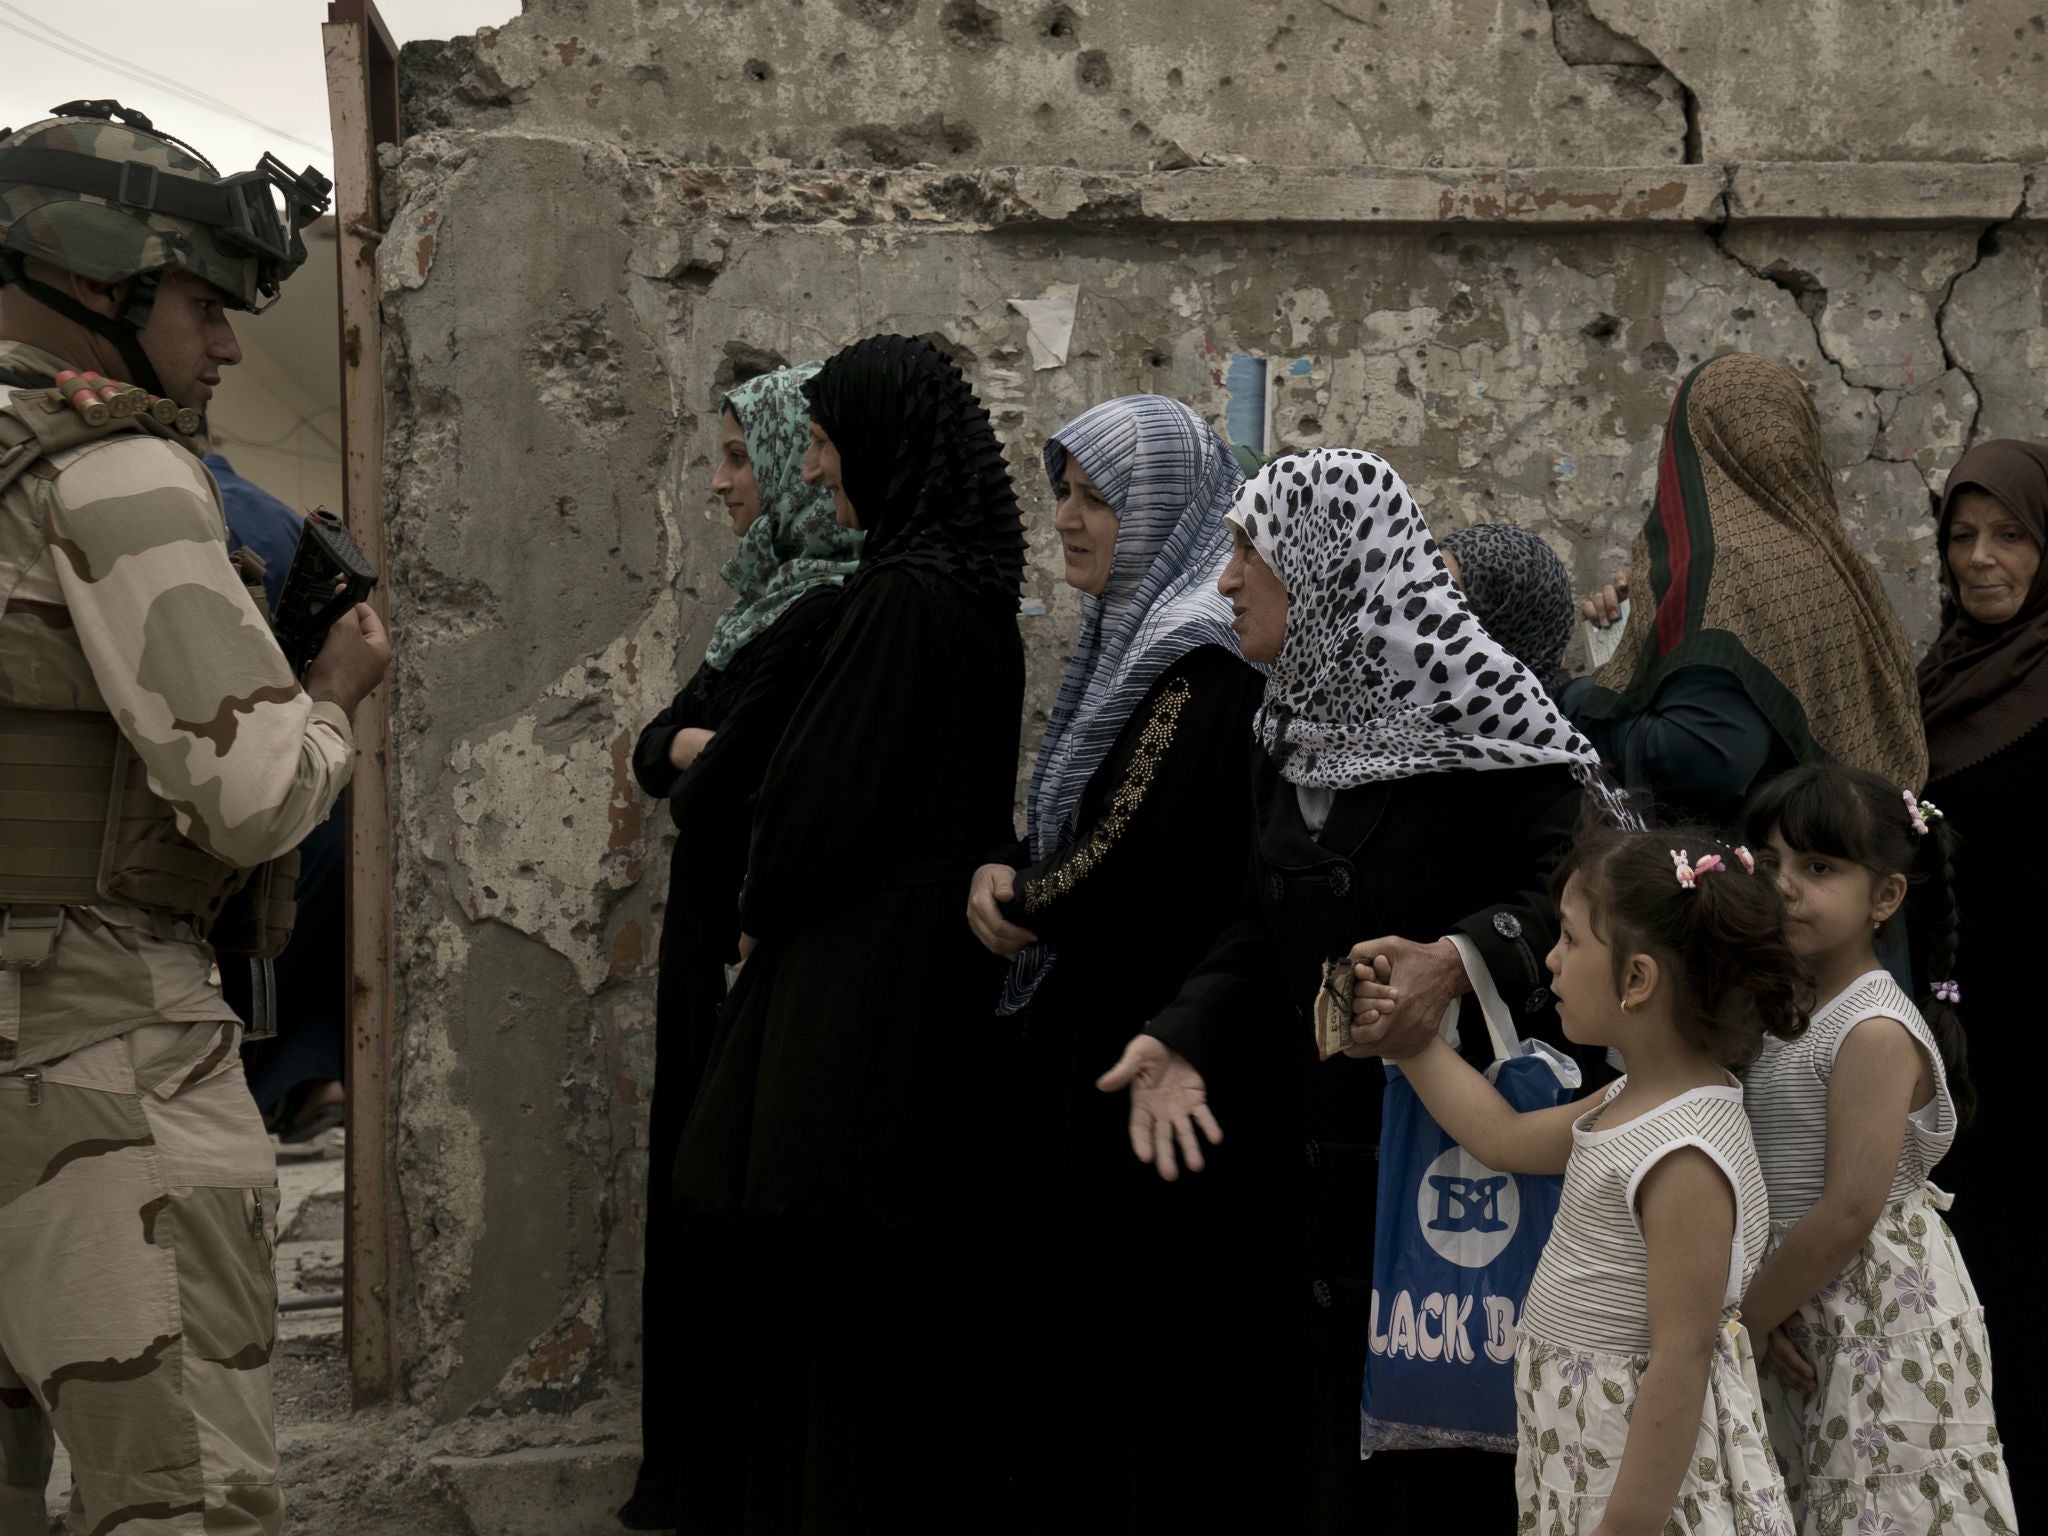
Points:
[(328, 576)]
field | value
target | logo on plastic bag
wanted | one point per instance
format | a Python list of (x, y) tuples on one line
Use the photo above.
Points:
[(1468, 1212)]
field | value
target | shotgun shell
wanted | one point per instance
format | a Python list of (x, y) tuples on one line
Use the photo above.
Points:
[(187, 421), (161, 411), (94, 411)]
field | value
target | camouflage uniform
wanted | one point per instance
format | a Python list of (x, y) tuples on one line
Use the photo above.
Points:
[(137, 1187)]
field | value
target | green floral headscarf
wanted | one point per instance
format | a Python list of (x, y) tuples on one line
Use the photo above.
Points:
[(796, 545)]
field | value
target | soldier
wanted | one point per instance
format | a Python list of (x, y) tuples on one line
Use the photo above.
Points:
[(155, 748)]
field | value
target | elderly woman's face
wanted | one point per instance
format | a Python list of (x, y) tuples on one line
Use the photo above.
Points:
[(1257, 600), (1087, 525), (1991, 556), (821, 467)]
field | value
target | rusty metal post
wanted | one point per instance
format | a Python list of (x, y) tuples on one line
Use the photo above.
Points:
[(362, 105)]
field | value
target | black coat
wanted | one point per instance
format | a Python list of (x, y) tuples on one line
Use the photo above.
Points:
[(2001, 851), (1114, 1263), (1417, 858), (747, 703), (843, 1144)]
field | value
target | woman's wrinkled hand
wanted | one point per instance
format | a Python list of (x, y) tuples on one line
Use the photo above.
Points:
[(1781, 1357), (992, 885), (1604, 608), (1169, 1104), (1397, 1009)]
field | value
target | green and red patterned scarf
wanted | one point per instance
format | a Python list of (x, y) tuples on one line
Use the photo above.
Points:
[(1744, 564)]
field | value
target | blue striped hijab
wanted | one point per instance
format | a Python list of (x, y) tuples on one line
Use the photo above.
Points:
[(1169, 478)]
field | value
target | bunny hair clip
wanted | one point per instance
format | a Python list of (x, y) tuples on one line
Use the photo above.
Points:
[(1688, 874)]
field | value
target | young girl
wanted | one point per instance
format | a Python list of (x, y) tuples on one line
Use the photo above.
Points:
[(1637, 1395), (1879, 1388)]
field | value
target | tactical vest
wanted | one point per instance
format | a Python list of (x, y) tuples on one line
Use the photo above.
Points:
[(79, 824)]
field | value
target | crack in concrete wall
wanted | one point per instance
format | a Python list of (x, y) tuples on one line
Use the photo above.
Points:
[(1584, 41)]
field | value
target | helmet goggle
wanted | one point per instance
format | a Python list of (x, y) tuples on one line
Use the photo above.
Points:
[(267, 209)]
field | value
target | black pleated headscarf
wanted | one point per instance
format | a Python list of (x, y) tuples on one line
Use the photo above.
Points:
[(922, 466)]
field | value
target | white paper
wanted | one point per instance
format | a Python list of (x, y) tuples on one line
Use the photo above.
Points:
[(1050, 318), (1602, 643)]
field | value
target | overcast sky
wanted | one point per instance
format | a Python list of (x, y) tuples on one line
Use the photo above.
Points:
[(262, 57)]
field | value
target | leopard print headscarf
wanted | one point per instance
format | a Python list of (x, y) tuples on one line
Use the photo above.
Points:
[(1518, 588), (1384, 672)]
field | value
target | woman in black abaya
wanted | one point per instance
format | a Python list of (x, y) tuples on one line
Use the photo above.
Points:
[(705, 754), (839, 1143), (1135, 861), (1413, 786), (1984, 690)]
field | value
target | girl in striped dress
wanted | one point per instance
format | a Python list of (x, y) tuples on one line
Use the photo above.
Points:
[(1637, 1395), (1878, 1384)]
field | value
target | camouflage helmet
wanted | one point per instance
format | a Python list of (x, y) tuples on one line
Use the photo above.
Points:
[(98, 191)]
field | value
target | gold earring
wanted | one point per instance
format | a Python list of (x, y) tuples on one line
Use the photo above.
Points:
[(1627, 1005)]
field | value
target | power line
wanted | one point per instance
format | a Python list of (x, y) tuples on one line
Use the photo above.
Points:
[(94, 55), (50, 37)]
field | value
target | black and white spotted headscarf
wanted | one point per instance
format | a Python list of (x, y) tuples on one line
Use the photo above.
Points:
[(1384, 673)]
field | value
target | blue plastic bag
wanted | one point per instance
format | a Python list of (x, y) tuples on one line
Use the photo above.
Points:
[(1454, 1250)]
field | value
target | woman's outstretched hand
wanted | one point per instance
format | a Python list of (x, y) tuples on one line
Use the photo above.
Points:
[(1169, 1103), (992, 885)]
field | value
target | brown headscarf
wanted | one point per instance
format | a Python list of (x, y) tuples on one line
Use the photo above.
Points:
[(1982, 686), (1744, 565)]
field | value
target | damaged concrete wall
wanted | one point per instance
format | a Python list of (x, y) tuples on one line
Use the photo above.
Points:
[(1484, 237)]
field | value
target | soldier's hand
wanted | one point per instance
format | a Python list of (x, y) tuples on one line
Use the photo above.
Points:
[(352, 660)]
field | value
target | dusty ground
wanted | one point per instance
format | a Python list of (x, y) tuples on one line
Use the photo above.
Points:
[(395, 1473)]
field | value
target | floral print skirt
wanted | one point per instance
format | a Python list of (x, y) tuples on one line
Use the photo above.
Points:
[(1574, 1407), (1899, 1439)]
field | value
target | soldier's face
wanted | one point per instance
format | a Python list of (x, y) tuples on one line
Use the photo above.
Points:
[(821, 467), (189, 339), (733, 481)]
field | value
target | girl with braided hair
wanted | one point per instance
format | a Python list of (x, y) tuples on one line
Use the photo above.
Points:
[(1879, 1387)]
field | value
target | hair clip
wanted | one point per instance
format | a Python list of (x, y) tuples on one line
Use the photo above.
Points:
[(1688, 874), (1747, 860), (1921, 811), (1947, 992)]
